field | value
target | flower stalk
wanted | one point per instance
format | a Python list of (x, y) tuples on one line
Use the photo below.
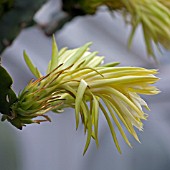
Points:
[(77, 78)]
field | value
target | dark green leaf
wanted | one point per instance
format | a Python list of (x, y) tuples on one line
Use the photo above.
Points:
[(7, 95), (13, 20)]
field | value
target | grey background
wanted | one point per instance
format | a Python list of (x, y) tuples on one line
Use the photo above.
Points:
[(57, 145)]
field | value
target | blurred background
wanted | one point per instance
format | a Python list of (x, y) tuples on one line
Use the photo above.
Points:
[(57, 145)]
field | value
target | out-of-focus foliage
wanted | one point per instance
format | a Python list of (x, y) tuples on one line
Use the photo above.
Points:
[(82, 7), (14, 16), (5, 5)]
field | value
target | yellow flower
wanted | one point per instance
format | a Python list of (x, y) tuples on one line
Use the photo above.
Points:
[(152, 15), (154, 18), (76, 78)]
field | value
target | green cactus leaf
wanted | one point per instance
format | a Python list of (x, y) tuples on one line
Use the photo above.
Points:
[(7, 95)]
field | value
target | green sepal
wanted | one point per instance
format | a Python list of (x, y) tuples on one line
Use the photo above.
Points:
[(31, 66), (19, 121)]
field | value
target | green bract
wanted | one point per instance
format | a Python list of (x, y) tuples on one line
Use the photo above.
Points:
[(76, 78)]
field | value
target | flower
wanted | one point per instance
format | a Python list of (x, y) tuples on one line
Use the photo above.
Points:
[(152, 16), (77, 78)]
